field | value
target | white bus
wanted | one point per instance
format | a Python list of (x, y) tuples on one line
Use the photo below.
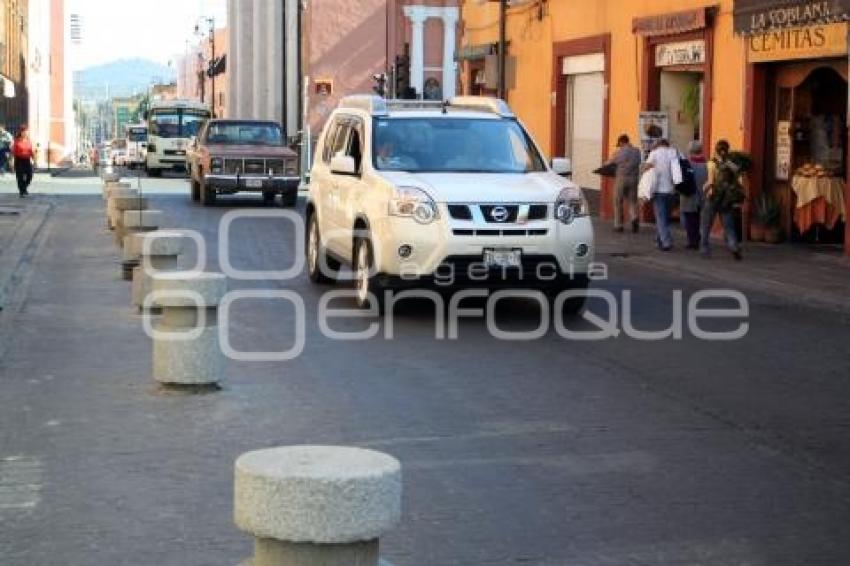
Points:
[(137, 142), (171, 124)]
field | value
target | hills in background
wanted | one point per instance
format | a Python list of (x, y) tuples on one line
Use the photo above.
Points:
[(124, 77)]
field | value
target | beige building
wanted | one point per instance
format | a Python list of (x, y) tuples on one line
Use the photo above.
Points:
[(202, 72)]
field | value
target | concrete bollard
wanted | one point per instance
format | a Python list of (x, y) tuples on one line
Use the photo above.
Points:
[(163, 247), (178, 361), (316, 505), (117, 192), (136, 221)]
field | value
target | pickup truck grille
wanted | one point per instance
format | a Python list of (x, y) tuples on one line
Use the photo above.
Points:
[(256, 166)]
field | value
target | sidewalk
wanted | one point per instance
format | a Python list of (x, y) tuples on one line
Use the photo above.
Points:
[(21, 221), (798, 274)]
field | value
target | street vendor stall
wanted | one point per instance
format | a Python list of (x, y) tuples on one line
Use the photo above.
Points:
[(819, 199)]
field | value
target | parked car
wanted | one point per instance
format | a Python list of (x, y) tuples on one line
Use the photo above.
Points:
[(231, 156), (408, 192)]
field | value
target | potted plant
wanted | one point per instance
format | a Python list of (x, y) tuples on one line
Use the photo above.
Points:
[(760, 217), (771, 219)]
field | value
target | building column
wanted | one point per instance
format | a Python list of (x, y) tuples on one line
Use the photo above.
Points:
[(450, 17), (243, 68), (260, 64), (274, 60), (230, 102), (417, 16)]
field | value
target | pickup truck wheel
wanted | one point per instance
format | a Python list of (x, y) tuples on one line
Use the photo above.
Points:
[(268, 198), (320, 267), (370, 292), (196, 190), (153, 172), (289, 200)]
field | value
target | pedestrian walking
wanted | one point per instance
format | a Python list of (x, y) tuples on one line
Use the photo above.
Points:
[(23, 154), (690, 205), (723, 193), (627, 163), (661, 160)]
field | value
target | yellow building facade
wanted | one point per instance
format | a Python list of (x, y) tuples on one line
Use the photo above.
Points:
[(580, 73)]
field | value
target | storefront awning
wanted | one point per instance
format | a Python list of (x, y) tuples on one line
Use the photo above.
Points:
[(672, 22), (757, 16)]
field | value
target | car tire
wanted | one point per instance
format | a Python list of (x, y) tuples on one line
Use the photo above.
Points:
[(369, 290), (268, 198), (208, 195), (289, 200), (316, 255), (153, 172), (196, 190), (574, 305)]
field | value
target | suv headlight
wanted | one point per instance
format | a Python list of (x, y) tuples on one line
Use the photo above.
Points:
[(414, 203), (216, 165), (570, 205)]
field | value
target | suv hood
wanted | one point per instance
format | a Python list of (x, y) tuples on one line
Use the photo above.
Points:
[(483, 187)]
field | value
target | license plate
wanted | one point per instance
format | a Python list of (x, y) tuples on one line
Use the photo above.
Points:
[(254, 183), (502, 258)]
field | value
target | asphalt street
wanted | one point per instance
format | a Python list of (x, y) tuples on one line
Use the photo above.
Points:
[(549, 452)]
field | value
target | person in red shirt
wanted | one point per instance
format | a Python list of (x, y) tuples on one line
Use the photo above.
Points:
[(23, 154)]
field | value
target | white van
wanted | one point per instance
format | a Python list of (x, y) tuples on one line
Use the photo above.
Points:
[(171, 124)]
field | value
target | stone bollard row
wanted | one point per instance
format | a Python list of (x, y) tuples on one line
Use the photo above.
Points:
[(316, 505), (148, 253), (186, 351), (112, 185), (132, 222)]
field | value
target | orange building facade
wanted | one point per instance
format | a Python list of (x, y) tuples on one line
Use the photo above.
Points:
[(769, 77)]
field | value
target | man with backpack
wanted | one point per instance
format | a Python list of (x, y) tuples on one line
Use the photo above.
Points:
[(723, 192)]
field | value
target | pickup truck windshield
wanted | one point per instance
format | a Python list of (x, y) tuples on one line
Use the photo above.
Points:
[(456, 145), (244, 133)]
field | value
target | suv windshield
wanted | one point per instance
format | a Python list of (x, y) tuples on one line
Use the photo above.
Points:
[(457, 145), (244, 133)]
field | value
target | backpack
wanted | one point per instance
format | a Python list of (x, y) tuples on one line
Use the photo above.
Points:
[(728, 191), (688, 186)]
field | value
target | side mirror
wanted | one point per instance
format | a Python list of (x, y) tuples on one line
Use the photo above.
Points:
[(343, 165), (562, 166)]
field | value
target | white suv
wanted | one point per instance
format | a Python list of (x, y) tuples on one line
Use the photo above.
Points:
[(411, 193)]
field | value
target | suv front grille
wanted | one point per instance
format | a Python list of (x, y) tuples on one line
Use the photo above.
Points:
[(510, 232), (507, 213)]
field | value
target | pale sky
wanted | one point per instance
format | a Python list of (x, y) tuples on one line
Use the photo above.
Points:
[(149, 29)]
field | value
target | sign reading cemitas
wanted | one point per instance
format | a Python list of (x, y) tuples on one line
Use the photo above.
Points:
[(798, 43)]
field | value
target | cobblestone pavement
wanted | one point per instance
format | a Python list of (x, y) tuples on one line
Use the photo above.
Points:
[(551, 452)]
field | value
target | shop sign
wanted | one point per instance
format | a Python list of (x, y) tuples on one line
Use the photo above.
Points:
[(652, 126), (783, 150), (670, 24), (756, 16), (828, 40), (680, 53)]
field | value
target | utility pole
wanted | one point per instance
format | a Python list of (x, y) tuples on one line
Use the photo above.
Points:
[(503, 16)]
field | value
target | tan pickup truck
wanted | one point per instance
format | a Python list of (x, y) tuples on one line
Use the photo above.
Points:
[(232, 156)]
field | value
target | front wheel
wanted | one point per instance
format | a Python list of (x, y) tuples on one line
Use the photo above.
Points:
[(196, 190), (575, 303), (268, 198), (370, 292), (207, 194), (289, 200)]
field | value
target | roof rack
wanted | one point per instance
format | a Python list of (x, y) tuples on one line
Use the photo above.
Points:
[(377, 106)]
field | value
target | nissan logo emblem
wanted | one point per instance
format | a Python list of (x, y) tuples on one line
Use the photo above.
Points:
[(499, 213)]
